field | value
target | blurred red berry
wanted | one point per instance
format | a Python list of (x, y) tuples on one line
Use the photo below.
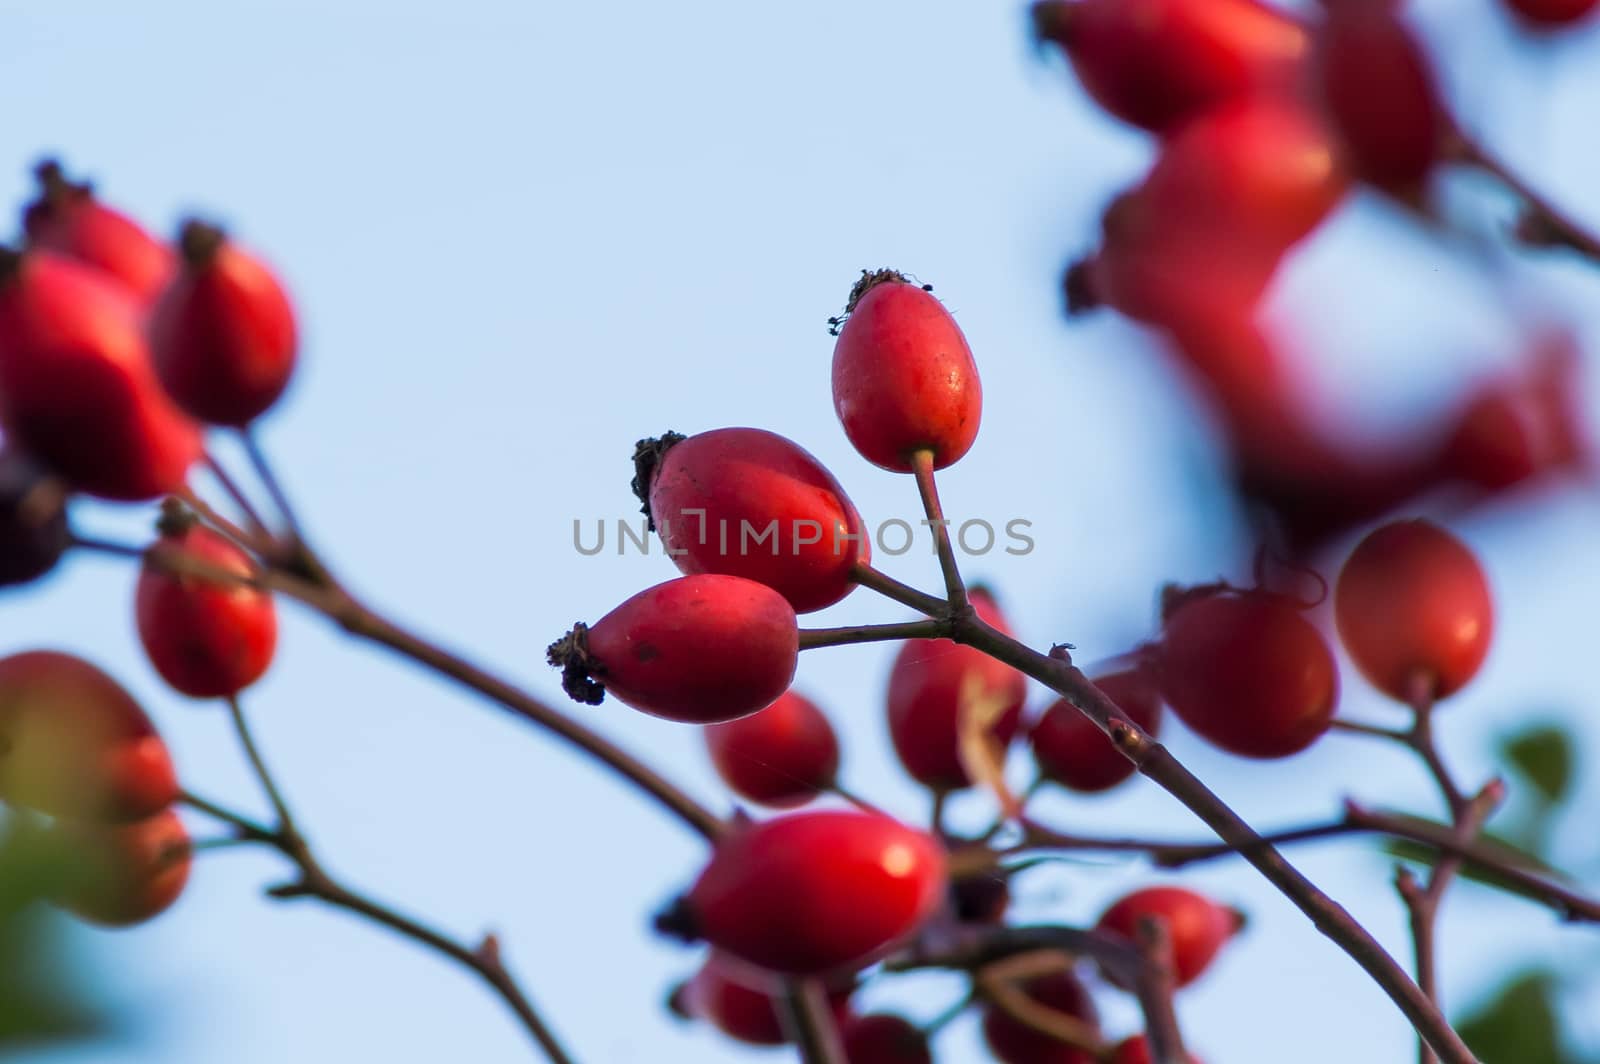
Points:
[(1246, 671), (77, 390), (123, 874), (1381, 96), (74, 744), (1519, 428), (1156, 63), (903, 375), (740, 1001), (1073, 751), (812, 893), (1136, 1050), (1196, 927), (926, 685), (67, 219), (1552, 14), (883, 1039), (34, 533), (783, 756), (750, 503), (223, 334), (207, 639), (1413, 607), (698, 649), (1013, 1042)]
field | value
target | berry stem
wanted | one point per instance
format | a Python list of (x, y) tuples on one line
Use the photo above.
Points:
[(240, 499), (1156, 986), (1542, 224), (813, 638), (905, 594), (257, 546), (809, 1022), (955, 590)]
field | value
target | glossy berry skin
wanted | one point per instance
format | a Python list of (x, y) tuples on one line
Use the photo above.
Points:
[(812, 893), (698, 649), (1262, 168), (1015, 1043), (1072, 751), (783, 756), (123, 874), (1381, 96), (68, 220), (77, 390), (883, 1039), (1247, 672), (33, 519), (1553, 14), (206, 639), (903, 376), (1136, 1050), (74, 744), (1413, 608), (1196, 926), (223, 333), (926, 684), (1157, 63), (743, 481)]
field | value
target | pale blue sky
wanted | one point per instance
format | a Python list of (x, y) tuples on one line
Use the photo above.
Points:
[(524, 235)]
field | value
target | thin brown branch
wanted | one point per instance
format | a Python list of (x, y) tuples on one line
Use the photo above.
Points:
[(259, 545), (928, 488), (808, 1020), (1542, 224), (237, 494), (813, 638), (905, 594)]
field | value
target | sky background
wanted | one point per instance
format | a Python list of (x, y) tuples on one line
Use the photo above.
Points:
[(521, 236)]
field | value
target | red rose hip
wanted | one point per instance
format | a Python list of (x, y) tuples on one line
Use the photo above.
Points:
[(700, 649), (1072, 750), (1197, 927), (1016, 1043), (723, 994), (1553, 14), (1413, 608), (206, 638), (77, 390), (74, 744), (124, 874), (1136, 1050), (750, 503), (903, 376), (223, 334), (67, 219), (926, 685), (883, 1039), (34, 533), (812, 893), (783, 756), (1246, 671), (1156, 63)]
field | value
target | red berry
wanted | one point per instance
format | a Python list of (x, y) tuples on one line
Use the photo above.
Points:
[(68, 220), (1074, 752), (207, 639), (77, 390), (1246, 671), (746, 502), (1196, 927), (698, 649), (1519, 428), (1413, 605), (811, 893), (124, 874), (33, 519), (903, 375), (783, 756), (884, 1039), (1545, 14), (223, 334), (75, 744), (1262, 169), (742, 1002), (1155, 63), (1015, 1043), (1136, 1050), (1379, 89), (926, 686)]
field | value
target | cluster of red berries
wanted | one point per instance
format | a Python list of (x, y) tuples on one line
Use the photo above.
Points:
[(1244, 668), (114, 351), (1264, 121)]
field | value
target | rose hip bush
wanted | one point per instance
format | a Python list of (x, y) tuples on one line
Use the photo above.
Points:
[(121, 355)]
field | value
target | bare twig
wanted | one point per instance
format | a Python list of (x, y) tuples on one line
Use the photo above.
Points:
[(812, 638), (928, 488), (1542, 224)]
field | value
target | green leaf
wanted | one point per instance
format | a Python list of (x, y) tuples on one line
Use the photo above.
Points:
[(1543, 756), (1502, 849), (1519, 1025)]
